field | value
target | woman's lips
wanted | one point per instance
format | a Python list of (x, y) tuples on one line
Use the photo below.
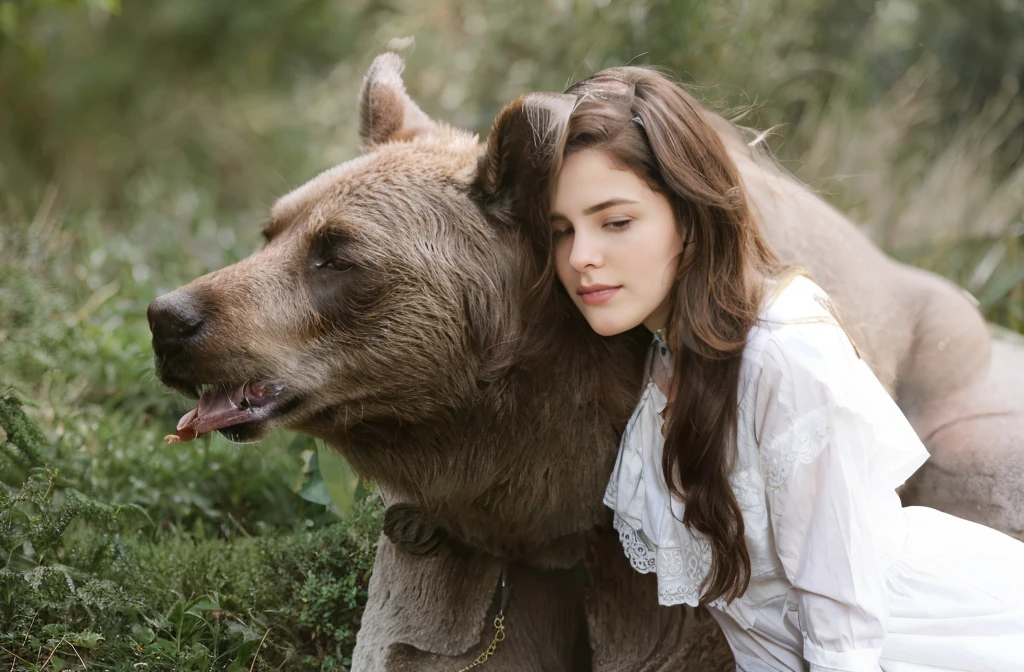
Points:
[(597, 295)]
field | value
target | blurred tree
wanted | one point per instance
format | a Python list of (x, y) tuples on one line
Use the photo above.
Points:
[(93, 96), (245, 101)]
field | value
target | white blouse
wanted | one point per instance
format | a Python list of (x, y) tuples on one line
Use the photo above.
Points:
[(821, 449)]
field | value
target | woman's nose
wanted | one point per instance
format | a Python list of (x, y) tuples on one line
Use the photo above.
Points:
[(585, 254)]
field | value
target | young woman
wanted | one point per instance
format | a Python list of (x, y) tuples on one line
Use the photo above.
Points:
[(757, 474)]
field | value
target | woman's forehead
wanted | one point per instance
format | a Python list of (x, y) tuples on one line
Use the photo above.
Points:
[(589, 174)]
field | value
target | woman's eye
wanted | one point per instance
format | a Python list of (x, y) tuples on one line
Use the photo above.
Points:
[(618, 223), (558, 234)]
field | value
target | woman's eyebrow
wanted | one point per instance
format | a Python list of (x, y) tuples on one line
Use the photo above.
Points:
[(604, 205), (607, 204)]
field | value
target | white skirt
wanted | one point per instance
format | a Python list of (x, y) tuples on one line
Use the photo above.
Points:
[(956, 604), (956, 598)]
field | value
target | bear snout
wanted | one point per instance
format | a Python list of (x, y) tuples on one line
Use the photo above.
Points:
[(175, 318)]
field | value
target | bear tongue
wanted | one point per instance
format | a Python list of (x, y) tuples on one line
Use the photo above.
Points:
[(221, 407), (218, 407)]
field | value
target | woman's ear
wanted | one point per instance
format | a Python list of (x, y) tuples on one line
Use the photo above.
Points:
[(517, 159), (386, 112)]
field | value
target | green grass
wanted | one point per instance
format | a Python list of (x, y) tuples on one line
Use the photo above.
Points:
[(87, 583)]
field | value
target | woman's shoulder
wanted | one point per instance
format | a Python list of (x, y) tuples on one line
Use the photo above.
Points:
[(798, 327), (795, 301)]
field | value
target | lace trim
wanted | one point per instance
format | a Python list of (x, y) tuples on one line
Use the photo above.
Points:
[(638, 549), (747, 489), (679, 574), (800, 444), (670, 597)]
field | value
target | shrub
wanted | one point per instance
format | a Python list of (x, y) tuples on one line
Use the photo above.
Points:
[(89, 583)]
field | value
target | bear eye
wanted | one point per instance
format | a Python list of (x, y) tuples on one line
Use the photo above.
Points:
[(328, 252), (335, 265)]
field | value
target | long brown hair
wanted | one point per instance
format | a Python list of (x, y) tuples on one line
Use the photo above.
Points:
[(648, 123)]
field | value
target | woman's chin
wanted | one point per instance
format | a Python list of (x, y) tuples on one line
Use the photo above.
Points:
[(609, 328)]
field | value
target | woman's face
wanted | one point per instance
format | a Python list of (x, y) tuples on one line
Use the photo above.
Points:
[(617, 244)]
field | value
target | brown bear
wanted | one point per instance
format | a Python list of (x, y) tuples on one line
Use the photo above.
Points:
[(385, 316)]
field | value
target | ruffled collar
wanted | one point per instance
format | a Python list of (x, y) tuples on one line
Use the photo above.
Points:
[(646, 516)]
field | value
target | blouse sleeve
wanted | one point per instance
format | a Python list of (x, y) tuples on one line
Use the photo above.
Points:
[(833, 448)]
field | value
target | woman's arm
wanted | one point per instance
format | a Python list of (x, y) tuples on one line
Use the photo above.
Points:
[(824, 425)]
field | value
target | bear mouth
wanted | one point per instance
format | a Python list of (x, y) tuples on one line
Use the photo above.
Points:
[(239, 411)]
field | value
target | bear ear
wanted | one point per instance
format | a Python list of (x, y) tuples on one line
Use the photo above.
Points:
[(519, 154), (386, 112)]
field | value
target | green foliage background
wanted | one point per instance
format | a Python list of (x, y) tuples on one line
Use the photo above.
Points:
[(141, 145)]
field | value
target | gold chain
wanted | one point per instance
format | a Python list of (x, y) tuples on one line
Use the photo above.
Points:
[(499, 636)]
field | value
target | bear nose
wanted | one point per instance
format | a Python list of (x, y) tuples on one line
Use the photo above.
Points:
[(177, 316)]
